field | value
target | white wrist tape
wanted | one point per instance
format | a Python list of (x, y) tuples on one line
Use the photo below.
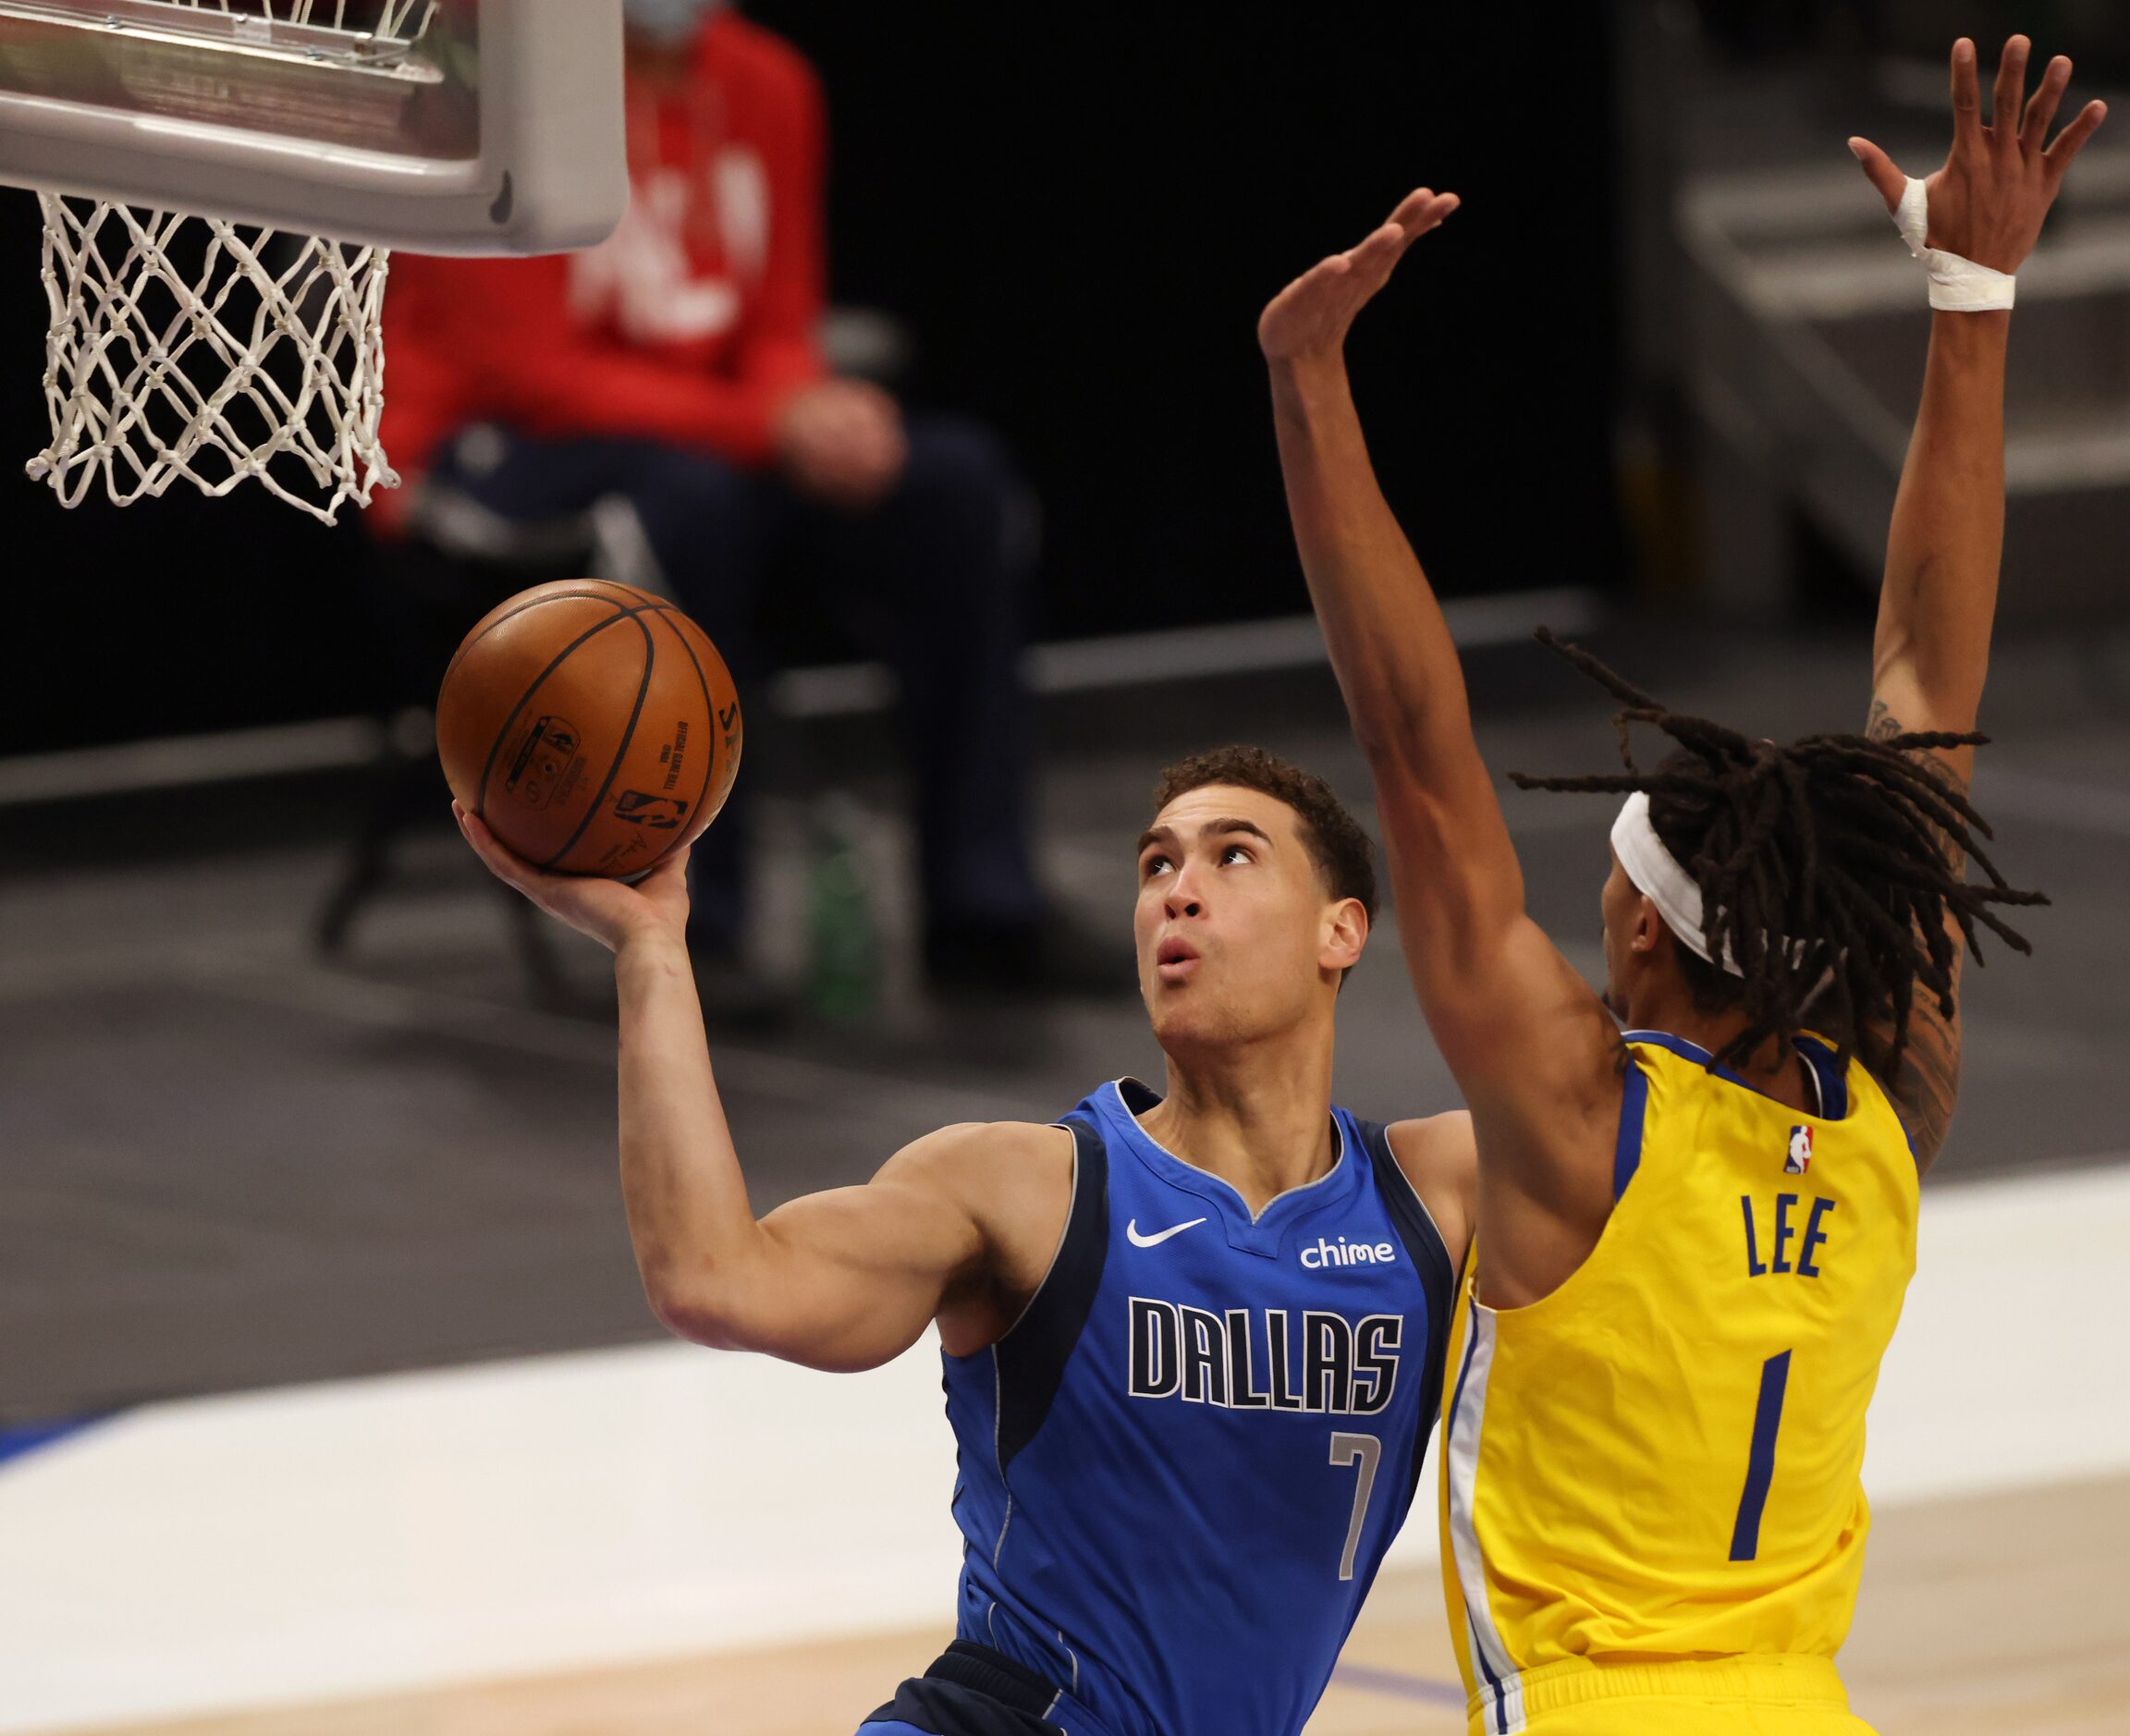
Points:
[(1957, 285)]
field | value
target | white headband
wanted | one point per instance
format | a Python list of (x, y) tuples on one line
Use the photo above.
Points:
[(1658, 875)]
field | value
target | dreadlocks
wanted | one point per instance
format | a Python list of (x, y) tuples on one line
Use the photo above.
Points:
[(1827, 867)]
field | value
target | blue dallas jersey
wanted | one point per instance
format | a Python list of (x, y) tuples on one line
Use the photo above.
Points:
[(1179, 1471)]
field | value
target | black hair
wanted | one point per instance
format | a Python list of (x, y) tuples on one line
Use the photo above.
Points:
[(1827, 866), (1335, 843), (1338, 848)]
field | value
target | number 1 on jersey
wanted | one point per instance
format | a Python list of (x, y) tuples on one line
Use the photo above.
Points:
[(1366, 1450), (1760, 1459)]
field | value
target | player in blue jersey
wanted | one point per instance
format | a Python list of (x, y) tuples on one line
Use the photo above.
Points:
[(1193, 1338)]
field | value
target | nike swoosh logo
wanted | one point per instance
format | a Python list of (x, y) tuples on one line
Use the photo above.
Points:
[(1160, 1236)]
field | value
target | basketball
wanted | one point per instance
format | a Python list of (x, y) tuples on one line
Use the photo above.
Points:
[(591, 726)]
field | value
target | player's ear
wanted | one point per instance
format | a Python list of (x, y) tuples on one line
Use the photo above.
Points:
[(1648, 924), (1345, 932)]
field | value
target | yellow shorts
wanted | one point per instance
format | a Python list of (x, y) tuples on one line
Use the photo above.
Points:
[(1734, 1696)]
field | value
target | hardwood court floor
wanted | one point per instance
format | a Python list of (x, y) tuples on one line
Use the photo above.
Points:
[(1999, 1613)]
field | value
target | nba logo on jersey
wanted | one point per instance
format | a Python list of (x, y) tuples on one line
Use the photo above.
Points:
[(1799, 1155)]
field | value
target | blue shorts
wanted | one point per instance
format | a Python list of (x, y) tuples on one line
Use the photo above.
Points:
[(970, 1690)]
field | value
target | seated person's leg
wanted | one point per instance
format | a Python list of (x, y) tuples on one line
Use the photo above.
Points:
[(532, 479), (930, 583), (712, 526)]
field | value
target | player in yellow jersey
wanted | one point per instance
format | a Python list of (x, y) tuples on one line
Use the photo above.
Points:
[(1694, 1235)]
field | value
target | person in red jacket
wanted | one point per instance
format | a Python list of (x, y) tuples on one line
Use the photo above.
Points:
[(677, 364)]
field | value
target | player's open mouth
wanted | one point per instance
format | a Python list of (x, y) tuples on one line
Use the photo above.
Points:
[(1175, 961)]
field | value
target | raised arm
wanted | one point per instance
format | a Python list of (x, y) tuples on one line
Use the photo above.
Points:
[(843, 1279), (1531, 1045), (1931, 653)]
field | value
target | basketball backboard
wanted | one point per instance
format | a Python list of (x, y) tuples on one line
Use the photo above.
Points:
[(222, 183), (437, 126)]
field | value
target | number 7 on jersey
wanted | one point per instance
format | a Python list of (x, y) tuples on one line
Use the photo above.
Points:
[(1364, 1450)]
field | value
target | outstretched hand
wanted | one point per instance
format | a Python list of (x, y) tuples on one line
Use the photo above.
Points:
[(1311, 316), (1997, 183), (612, 913)]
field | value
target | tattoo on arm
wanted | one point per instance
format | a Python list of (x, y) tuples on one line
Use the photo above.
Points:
[(1927, 1084)]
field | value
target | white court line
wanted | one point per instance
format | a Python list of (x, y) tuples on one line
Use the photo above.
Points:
[(1174, 653), (360, 1538), (2056, 801), (840, 689), (175, 762)]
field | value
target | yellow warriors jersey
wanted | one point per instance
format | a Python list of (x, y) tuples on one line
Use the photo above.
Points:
[(1651, 1477)]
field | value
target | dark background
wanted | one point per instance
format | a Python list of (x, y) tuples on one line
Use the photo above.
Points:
[(1079, 212), (230, 1157)]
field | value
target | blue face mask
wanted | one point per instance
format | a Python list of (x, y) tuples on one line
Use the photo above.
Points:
[(670, 23)]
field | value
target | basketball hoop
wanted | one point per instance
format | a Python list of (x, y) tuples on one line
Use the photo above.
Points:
[(222, 182), (154, 373)]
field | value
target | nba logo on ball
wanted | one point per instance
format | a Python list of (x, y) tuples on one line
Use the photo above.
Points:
[(591, 725), (638, 809), (1799, 1158)]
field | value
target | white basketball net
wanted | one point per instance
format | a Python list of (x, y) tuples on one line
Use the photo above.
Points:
[(189, 347)]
